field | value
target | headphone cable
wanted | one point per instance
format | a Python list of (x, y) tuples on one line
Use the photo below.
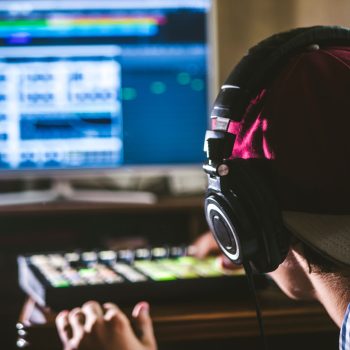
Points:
[(250, 279)]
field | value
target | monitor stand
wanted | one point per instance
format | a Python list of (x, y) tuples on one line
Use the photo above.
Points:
[(62, 190)]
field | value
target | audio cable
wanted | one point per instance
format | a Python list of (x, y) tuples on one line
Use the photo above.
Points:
[(249, 273)]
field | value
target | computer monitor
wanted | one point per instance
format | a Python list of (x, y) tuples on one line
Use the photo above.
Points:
[(108, 84)]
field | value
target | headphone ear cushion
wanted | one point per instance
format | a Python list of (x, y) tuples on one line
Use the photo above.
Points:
[(255, 177), (250, 179)]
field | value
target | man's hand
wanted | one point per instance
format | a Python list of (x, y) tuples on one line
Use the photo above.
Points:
[(96, 327), (206, 245)]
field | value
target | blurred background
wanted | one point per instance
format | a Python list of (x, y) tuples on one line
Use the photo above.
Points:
[(241, 24)]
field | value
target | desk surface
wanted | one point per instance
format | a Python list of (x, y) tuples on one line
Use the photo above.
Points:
[(200, 321), (184, 203)]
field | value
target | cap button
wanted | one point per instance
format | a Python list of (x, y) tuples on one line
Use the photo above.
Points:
[(313, 47)]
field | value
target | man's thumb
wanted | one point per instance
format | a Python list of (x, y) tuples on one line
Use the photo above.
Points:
[(144, 324)]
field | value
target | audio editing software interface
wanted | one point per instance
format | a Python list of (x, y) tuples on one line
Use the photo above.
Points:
[(102, 84)]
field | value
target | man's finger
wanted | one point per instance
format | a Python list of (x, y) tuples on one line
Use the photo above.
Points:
[(109, 306), (63, 326), (76, 320), (144, 323), (116, 318), (93, 313)]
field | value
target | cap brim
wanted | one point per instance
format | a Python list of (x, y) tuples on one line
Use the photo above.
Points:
[(328, 234)]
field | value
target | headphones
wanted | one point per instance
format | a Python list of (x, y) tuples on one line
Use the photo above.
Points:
[(240, 207)]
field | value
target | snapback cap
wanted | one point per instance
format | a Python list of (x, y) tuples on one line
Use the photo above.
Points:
[(301, 122)]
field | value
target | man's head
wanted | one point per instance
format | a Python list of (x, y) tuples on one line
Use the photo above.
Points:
[(279, 178), (285, 104), (301, 122)]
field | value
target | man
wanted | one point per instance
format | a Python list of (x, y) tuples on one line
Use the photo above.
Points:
[(301, 121)]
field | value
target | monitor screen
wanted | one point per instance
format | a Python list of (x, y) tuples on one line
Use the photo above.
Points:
[(90, 84)]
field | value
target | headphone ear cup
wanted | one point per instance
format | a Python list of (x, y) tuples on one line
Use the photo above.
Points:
[(245, 218), (231, 227)]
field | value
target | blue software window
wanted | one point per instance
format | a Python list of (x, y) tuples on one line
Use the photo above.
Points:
[(101, 84)]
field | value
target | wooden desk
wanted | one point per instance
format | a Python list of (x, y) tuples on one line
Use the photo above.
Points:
[(68, 224), (210, 325)]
